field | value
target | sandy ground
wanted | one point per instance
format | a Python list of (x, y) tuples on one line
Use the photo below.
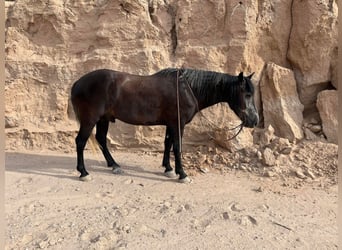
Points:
[(48, 207)]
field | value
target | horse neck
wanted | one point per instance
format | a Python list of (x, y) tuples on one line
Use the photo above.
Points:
[(213, 93)]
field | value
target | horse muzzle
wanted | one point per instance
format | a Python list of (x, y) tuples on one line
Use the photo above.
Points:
[(250, 119)]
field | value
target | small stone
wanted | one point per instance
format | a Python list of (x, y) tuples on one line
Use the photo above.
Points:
[(268, 157), (300, 174), (310, 174), (52, 242), (247, 220), (259, 189), (225, 215), (127, 229), (187, 207), (204, 170), (269, 174), (43, 244), (128, 181), (265, 136), (163, 232), (259, 154), (316, 128), (242, 167), (236, 208)]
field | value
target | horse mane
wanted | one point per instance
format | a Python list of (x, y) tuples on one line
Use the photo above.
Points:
[(208, 85)]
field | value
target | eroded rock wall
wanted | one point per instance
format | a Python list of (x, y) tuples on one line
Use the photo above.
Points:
[(50, 44)]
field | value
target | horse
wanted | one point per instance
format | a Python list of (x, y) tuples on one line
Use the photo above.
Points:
[(170, 97)]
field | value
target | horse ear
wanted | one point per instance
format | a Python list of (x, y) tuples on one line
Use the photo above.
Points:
[(250, 76), (240, 77)]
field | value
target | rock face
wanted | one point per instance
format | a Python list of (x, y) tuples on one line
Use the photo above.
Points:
[(49, 45), (327, 104), (281, 106)]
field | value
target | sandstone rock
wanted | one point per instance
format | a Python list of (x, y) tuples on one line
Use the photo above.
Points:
[(264, 136), (313, 46), (281, 145), (268, 157), (281, 106), (327, 104), (223, 137)]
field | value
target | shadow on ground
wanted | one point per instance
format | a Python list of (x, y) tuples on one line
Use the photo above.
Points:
[(65, 167)]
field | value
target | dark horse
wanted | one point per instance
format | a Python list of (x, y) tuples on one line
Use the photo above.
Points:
[(104, 95)]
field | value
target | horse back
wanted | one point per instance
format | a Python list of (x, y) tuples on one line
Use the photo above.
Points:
[(134, 99)]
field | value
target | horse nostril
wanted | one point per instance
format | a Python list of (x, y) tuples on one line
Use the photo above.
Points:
[(255, 123)]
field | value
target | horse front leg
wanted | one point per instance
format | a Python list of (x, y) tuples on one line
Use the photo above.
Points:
[(183, 178)]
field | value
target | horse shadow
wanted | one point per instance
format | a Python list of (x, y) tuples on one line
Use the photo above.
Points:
[(64, 167)]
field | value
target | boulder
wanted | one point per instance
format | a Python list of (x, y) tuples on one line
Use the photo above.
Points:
[(327, 104), (224, 138), (313, 46), (281, 106)]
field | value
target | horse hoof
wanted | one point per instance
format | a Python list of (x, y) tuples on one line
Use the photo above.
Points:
[(118, 171), (85, 178), (170, 174), (185, 180)]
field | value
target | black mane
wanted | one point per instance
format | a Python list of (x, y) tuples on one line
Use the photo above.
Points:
[(209, 86)]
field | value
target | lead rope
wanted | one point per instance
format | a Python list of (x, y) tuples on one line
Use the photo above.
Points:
[(178, 114)]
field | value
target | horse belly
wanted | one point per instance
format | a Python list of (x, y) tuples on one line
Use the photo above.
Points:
[(140, 111)]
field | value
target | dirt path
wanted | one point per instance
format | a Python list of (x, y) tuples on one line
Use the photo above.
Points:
[(48, 207)]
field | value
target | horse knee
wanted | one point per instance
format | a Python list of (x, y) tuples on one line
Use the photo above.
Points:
[(80, 143)]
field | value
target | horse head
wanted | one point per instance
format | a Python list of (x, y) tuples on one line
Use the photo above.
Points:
[(242, 101)]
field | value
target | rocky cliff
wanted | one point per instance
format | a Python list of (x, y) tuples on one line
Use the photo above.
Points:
[(290, 45)]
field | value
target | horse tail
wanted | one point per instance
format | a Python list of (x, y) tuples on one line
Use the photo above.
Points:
[(92, 140)]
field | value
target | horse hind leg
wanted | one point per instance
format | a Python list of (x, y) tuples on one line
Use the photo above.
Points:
[(101, 137), (81, 141)]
